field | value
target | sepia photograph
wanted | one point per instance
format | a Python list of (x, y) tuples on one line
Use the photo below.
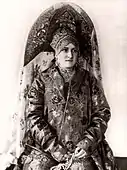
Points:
[(63, 85)]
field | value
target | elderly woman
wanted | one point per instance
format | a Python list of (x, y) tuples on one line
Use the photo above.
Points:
[(67, 114)]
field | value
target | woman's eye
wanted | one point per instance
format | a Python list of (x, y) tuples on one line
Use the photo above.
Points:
[(65, 49), (75, 51)]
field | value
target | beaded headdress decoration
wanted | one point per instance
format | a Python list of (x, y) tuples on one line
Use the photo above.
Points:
[(63, 36)]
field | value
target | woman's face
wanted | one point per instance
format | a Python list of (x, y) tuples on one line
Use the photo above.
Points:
[(67, 56)]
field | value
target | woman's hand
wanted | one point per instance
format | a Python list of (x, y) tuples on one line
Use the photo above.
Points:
[(59, 167), (79, 153)]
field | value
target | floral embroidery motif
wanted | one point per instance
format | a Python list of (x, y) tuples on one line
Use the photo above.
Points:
[(86, 106), (56, 99)]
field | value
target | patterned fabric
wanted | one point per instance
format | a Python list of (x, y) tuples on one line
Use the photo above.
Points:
[(63, 34), (84, 122), (69, 16), (38, 161), (39, 139)]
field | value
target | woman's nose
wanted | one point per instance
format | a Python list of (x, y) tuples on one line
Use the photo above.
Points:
[(69, 54)]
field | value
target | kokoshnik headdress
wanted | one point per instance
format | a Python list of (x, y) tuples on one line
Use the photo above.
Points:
[(61, 36), (73, 18)]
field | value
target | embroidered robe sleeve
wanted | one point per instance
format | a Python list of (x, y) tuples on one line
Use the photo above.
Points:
[(42, 132), (100, 115)]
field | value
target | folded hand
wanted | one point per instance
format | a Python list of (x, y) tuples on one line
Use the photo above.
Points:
[(79, 153)]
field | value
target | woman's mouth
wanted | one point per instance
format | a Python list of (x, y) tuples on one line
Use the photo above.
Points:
[(69, 60)]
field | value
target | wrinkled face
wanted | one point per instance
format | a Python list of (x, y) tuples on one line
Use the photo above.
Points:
[(66, 57)]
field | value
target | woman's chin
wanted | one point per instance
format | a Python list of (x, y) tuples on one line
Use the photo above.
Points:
[(69, 65)]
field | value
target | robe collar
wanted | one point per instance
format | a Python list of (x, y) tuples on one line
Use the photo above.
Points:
[(76, 79), (54, 74)]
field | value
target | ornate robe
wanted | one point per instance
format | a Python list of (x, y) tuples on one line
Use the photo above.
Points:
[(61, 116)]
